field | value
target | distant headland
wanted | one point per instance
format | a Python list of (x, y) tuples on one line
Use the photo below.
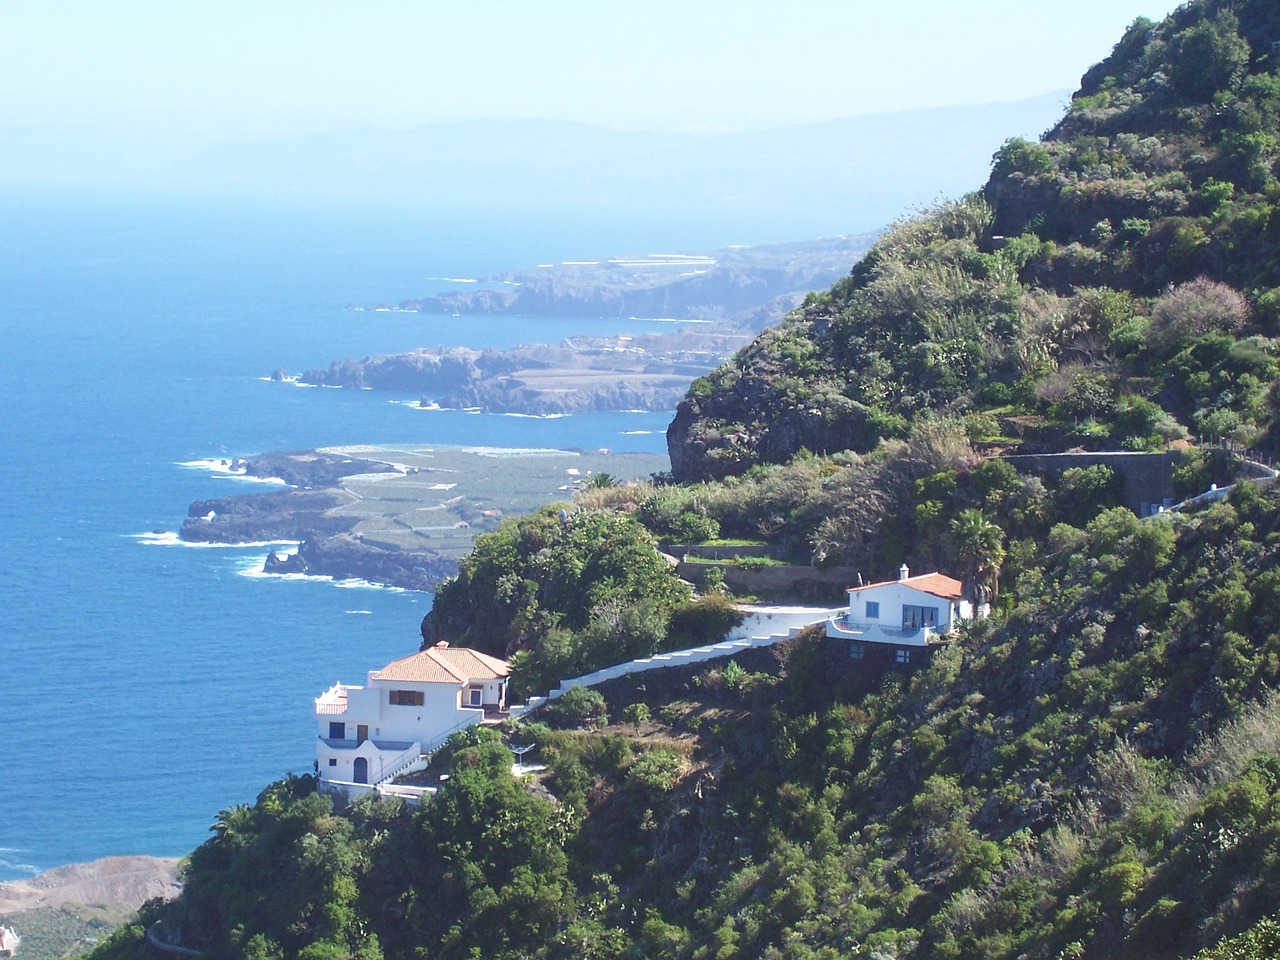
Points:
[(721, 301)]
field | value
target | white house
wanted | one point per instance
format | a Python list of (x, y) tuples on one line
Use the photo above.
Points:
[(899, 615), (408, 708)]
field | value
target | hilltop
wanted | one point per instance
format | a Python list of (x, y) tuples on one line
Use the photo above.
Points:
[(1114, 284)]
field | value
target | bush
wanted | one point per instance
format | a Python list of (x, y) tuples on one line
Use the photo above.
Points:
[(584, 706), (702, 621)]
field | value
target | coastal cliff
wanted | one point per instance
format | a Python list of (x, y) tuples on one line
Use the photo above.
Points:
[(579, 375), (731, 294)]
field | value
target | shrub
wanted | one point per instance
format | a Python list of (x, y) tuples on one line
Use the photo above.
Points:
[(704, 620), (581, 705), (1196, 308)]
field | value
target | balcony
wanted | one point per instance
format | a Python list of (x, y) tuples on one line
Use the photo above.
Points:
[(846, 628), (333, 702), (386, 746)]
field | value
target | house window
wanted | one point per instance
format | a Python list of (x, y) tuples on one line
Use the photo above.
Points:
[(476, 694), (337, 730), (903, 655), (406, 698), (333, 761), (913, 617), (857, 651), (873, 609)]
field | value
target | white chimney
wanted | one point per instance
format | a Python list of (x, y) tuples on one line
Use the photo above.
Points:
[(903, 572)]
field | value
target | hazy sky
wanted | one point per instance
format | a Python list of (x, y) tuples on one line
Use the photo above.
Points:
[(268, 68)]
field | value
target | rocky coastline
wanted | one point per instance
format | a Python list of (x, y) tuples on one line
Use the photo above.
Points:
[(731, 294), (578, 375), (360, 516)]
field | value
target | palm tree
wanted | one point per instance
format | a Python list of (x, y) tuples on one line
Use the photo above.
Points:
[(979, 547), (233, 823)]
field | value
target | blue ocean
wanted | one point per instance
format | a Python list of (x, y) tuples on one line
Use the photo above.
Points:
[(146, 687)]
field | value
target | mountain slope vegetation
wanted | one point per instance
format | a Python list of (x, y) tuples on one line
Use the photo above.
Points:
[(1092, 772), (1114, 284)]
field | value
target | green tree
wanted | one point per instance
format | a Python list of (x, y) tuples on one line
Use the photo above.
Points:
[(1208, 57)]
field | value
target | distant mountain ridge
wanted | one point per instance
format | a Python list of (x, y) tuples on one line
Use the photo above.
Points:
[(813, 179), (869, 169)]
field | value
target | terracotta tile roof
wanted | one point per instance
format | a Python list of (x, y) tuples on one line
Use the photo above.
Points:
[(938, 584), (444, 664)]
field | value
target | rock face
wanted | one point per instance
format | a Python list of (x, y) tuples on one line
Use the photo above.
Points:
[(749, 411), (126, 882)]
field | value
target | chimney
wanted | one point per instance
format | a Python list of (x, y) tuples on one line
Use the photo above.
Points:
[(903, 572)]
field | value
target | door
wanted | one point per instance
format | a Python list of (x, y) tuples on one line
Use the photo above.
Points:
[(362, 732), (361, 774)]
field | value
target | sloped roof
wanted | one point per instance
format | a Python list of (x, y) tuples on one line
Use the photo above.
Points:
[(444, 664), (938, 584)]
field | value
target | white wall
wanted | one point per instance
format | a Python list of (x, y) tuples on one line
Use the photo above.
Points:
[(892, 597)]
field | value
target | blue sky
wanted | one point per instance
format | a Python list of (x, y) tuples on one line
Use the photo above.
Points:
[(241, 70)]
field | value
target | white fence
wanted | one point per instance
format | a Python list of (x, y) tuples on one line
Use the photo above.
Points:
[(762, 627)]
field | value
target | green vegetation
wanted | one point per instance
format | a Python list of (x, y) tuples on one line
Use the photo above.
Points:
[(566, 591), (1093, 772), (1114, 285), (54, 932), (1098, 775)]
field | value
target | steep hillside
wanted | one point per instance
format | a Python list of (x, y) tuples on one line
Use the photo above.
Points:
[(1093, 772), (1114, 284), (1098, 777)]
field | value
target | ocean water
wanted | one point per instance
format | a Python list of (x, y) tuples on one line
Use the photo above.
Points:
[(143, 688)]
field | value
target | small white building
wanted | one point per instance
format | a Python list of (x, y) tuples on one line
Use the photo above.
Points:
[(899, 615), (407, 709)]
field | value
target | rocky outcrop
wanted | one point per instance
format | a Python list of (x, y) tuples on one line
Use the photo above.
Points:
[(259, 518), (346, 557), (305, 468), (126, 882)]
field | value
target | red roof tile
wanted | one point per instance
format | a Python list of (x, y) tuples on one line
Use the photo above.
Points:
[(938, 584), (444, 664)]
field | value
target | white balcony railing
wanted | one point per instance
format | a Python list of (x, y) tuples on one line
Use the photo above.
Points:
[(846, 628), (333, 702)]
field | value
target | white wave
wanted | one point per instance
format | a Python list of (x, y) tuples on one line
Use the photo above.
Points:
[(636, 433), (635, 411), (8, 863), (306, 386), (537, 416), (212, 464), (166, 538), (225, 469), (251, 567), (366, 613), (246, 478), (454, 279)]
